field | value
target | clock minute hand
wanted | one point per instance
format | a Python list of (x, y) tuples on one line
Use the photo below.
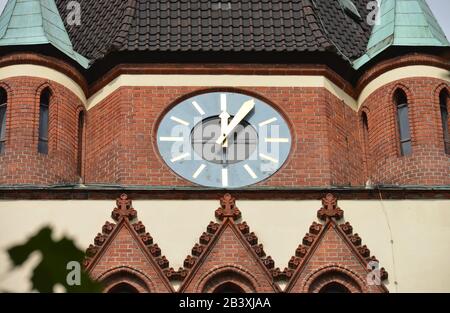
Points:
[(241, 114)]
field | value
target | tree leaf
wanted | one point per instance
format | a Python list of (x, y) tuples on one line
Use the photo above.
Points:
[(52, 269)]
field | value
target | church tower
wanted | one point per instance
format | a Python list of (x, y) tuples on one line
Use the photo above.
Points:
[(255, 146)]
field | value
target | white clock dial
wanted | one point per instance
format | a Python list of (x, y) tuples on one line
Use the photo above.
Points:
[(224, 140)]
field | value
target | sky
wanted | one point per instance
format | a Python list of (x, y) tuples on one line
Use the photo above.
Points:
[(440, 8)]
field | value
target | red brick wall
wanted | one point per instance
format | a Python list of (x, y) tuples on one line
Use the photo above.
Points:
[(333, 260), (125, 250), (21, 163), (122, 128), (344, 143), (105, 142), (229, 258), (120, 134), (428, 164)]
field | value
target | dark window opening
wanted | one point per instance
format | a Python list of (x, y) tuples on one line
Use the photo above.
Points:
[(80, 142), (44, 106), (123, 288), (334, 288), (401, 102), (229, 288), (3, 105), (365, 126), (443, 101)]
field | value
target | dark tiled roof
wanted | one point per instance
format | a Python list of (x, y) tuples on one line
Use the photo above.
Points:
[(347, 33), (208, 26)]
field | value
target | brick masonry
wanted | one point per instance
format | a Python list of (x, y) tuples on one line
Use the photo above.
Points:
[(120, 134), (125, 255), (122, 131), (229, 260), (428, 164), (21, 163), (328, 148), (332, 256), (230, 254)]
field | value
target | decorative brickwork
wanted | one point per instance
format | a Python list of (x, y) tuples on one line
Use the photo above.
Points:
[(331, 254), (228, 253), (125, 253)]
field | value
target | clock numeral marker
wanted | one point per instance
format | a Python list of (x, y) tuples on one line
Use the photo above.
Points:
[(268, 122), (223, 102), (250, 171), (179, 120), (225, 177), (199, 171), (180, 157), (268, 158), (281, 140), (172, 139), (198, 108)]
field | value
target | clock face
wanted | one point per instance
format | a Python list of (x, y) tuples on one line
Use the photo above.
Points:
[(224, 140)]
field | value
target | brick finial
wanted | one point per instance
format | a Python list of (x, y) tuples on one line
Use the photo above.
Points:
[(228, 208), (123, 209), (330, 209)]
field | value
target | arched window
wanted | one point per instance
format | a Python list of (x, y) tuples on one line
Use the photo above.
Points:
[(123, 288), (334, 287), (443, 101), (44, 106), (365, 124), (365, 129), (334, 280), (228, 281), (80, 142), (3, 104), (124, 280), (401, 102), (228, 288)]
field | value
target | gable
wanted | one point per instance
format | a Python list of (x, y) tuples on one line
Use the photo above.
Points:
[(125, 253), (331, 254), (229, 255)]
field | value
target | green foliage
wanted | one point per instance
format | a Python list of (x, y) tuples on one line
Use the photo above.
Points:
[(52, 269)]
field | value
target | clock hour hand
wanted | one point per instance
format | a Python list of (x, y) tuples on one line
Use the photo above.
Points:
[(224, 117), (241, 114)]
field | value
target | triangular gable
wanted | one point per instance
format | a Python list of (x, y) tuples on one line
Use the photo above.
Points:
[(228, 252), (330, 253), (124, 252)]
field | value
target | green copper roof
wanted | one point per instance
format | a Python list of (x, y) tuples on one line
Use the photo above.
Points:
[(35, 22), (403, 23)]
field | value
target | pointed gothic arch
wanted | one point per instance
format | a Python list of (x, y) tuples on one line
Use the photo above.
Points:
[(124, 279), (228, 279)]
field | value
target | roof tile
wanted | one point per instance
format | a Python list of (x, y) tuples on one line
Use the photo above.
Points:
[(205, 25)]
